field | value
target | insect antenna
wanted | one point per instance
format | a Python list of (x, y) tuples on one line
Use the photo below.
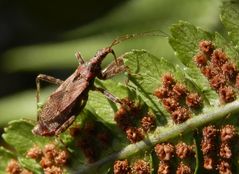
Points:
[(122, 38)]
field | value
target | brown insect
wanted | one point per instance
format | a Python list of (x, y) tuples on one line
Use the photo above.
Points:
[(68, 100)]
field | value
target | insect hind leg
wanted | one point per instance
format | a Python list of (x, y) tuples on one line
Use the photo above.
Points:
[(46, 78), (65, 125), (108, 95)]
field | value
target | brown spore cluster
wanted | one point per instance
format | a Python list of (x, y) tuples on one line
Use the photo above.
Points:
[(51, 158), (218, 143), (177, 99), (141, 167), (208, 142), (13, 167), (165, 153), (133, 121), (163, 168), (90, 137), (122, 167), (138, 167), (183, 150), (183, 169), (221, 73), (227, 136)]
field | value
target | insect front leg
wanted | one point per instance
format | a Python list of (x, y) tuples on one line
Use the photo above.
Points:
[(107, 94), (65, 125), (113, 69), (46, 78)]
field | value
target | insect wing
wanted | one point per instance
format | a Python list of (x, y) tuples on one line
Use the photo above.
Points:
[(62, 100)]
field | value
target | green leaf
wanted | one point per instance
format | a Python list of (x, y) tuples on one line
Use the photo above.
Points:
[(104, 108), (227, 47), (146, 79), (5, 157), (230, 19), (18, 134), (30, 164), (185, 39)]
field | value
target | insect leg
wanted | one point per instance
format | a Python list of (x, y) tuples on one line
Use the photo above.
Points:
[(107, 94), (113, 69), (65, 125), (79, 58), (50, 79)]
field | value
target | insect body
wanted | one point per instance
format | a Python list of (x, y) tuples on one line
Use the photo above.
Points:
[(63, 105)]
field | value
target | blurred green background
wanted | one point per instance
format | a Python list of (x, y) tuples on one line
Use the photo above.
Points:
[(42, 37)]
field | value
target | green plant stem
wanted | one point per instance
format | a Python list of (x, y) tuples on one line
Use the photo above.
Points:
[(157, 137)]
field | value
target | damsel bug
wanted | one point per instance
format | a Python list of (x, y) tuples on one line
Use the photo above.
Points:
[(68, 100)]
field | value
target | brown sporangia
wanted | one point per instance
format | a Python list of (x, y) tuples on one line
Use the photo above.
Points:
[(51, 158), (193, 100), (218, 58), (229, 71), (123, 119), (104, 137), (89, 128), (50, 151), (212, 148), (206, 47), (170, 104), (53, 170), (134, 120), (227, 133), (162, 92), (179, 90), (207, 146), (209, 71), (209, 132), (180, 115), (127, 113), (201, 60), (177, 99), (131, 106), (122, 167), (222, 74), (218, 81), (89, 137), (183, 150), (148, 122), (86, 145), (224, 167), (34, 153), (168, 81), (13, 167), (237, 81), (46, 162), (164, 151), (225, 151), (183, 169), (134, 134), (208, 162), (75, 131), (141, 167), (227, 94), (163, 168)]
